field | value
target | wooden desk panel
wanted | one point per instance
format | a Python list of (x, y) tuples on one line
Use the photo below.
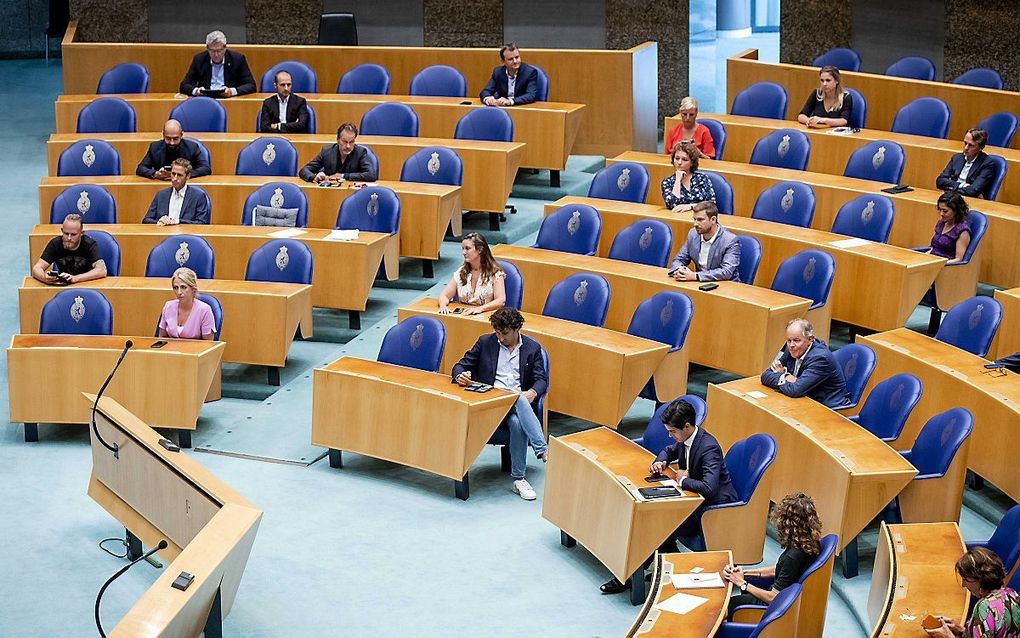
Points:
[(753, 319), (489, 167), (624, 362), (705, 619), (955, 378), (259, 319), (850, 474), (1007, 339), (74, 364)]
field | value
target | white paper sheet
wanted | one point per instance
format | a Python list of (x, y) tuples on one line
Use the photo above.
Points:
[(853, 242), (757, 395), (343, 235), (287, 232), (681, 603), (698, 581)]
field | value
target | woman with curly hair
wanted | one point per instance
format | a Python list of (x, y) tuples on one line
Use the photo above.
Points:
[(479, 282), (799, 532), (996, 613)]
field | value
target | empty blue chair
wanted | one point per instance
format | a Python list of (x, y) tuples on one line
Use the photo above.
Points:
[(761, 99), (785, 148), (285, 261), (664, 317), (277, 195), (513, 283), (1000, 174), (718, 131), (778, 621), (571, 229), (857, 362), (622, 181), (217, 313), (390, 118), (489, 125), (438, 80), (859, 113), (109, 250), (106, 115), (655, 438), (303, 79), (927, 116), (127, 77), (887, 408), (433, 165), (177, 251), (311, 119), (646, 241), (415, 342), (1005, 540), (88, 158), (366, 79), (786, 203), (869, 216), (750, 258), (723, 192), (878, 161), (94, 203), (914, 67), (541, 85), (971, 325), (268, 157), (77, 311), (203, 151), (375, 209), (808, 274), (581, 297), (981, 77), (841, 58), (1000, 127), (373, 159), (200, 114)]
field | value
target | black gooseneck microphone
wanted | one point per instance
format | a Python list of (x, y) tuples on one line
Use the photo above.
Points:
[(102, 590), (113, 448)]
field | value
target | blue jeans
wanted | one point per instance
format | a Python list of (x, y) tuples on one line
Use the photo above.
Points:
[(524, 428)]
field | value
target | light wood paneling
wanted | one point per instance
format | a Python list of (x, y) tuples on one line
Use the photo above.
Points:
[(703, 620)]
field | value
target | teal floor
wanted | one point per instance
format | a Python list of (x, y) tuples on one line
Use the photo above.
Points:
[(373, 549)]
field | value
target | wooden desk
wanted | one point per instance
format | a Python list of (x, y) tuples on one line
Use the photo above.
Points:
[(752, 319), (1007, 339), (915, 575), (630, 110), (489, 167), (705, 619), (850, 474), (905, 274), (547, 128), (915, 211), (404, 415), (624, 362), (591, 484), (955, 378), (138, 301)]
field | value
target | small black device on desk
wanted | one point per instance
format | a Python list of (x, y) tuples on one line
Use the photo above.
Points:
[(659, 492)]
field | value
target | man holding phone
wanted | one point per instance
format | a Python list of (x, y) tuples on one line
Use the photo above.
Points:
[(71, 258), (162, 153)]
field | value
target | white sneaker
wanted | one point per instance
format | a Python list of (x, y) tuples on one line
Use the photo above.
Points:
[(524, 488)]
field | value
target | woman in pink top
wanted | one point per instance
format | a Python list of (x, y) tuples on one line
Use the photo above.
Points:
[(479, 282), (187, 316)]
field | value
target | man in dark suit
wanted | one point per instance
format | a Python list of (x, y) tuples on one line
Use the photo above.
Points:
[(284, 112), (218, 72), (971, 172), (806, 368), (162, 153), (342, 161), (178, 204), (508, 360), (513, 83), (714, 249)]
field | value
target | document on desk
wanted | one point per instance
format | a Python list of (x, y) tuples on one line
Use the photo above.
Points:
[(680, 603), (343, 235), (852, 242), (697, 581), (754, 394), (287, 232)]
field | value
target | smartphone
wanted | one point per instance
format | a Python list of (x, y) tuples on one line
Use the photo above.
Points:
[(707, 287), (994, 366), (166, 168), (655, 478), (53, 273), (457, 311), (671, 273), (159, 344)]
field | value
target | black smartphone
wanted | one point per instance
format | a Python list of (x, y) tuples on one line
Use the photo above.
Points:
[(994, 366), (707, 287), (655, 478), (457, 311), (671, 273), (466, 103), (159, 344)]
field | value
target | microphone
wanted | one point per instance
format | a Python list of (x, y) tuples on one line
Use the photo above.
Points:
[(102, 590), (95, 429)]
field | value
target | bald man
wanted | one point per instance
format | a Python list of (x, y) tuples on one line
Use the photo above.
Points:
[(162, 153)]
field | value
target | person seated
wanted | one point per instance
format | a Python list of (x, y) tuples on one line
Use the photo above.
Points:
[(512, 84), (714, 249), (952, 231), (284, 112), (162, 153), (186, 316), (799, 532), (996, 614), (971, 172), (829, 104), (71, 258), (511, 361), (217, 72), (479, 282), (806, 368), (688, 130), (686, 187), (178, 204), (702, 471), (343, 161)]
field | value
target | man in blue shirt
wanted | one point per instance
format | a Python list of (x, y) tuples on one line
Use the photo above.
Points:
[(806, 368), (218, 72)]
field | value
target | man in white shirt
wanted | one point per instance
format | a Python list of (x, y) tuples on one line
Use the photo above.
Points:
[(715, 250), (284, 112), (179, 204)]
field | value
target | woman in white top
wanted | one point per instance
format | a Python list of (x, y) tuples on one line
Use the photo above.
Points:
[(479, 282)]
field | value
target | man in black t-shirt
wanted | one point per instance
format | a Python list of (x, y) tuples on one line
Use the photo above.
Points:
[(71, 258)]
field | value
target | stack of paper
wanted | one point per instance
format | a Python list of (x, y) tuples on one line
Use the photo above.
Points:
[(697, 581), (287, 232), (680, 603), (343, 235), (853, 242)]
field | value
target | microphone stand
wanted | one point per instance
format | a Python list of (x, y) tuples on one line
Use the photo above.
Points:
[(102, 590), (95, 429)]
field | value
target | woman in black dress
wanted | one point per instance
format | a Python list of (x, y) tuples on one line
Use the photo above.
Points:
[(829, 104)]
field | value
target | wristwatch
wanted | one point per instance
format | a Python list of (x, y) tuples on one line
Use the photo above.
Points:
[(743, 587)]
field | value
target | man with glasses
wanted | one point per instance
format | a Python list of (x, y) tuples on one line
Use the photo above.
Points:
[(217, 72)]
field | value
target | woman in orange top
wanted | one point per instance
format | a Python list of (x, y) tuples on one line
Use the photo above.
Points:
[(689, 130)]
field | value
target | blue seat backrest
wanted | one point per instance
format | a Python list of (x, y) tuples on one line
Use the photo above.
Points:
[(971, 324), (88, 158), (664, 317), (809, 274), (126, 77), (826, 548), (177, 251), (94, 203), (750, 258), (878, 161), (268, 157), (890, 403), (513, 283), (433, 165), (217, 313), (1000, 175), (276, 195), (282, 260), (927, 116), (981, 77), (438, 80), (914, 67), (366, 79), (1005, 540), (415, 342), (786, 203), (488, 124), (718, 132), (859, 109), (655, 438), (869, 216), (202, 150), (1000, 127), (390, 118), (761, 99), (106, 115), (747, 461), (621, 181), (200, 115), (857, 362), (779, 607), (574, 228), (77, 311), (841, 58), (541, 85), (785, 148), (723, 192), (109, 250), (582, 297), (646, 241), (939, 439), (302, 77), (373, 209)]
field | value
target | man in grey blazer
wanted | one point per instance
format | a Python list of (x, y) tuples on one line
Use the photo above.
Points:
[(715, 250)]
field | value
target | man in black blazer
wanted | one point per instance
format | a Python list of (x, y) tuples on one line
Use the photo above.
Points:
[(508, 360), (178, 204), (971, 172), (294, 109), (218, 72), (162, 153), (342, 161), (513, 83)]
